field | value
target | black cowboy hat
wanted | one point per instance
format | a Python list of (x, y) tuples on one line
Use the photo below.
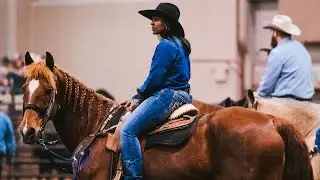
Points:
[(168, 12)]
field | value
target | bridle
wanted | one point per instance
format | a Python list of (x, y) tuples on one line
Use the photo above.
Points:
[(46, 113)]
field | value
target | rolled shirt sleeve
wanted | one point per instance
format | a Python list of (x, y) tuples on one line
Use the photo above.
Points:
[(271, 74)]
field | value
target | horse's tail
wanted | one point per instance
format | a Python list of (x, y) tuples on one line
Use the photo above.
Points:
[(297, 161)]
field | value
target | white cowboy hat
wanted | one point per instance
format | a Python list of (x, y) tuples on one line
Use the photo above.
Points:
[(284, 23)]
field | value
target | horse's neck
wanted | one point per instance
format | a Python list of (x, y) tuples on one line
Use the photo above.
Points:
[(81, 110)]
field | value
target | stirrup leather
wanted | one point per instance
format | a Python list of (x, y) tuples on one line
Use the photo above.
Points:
[(119, 171)]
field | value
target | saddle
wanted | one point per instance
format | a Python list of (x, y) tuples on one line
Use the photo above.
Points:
[(174, 132)]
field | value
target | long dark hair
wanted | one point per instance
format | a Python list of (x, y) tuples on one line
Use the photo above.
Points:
[(186, 45), (173, 32)]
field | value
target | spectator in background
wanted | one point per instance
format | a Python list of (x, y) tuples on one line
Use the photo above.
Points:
[(5, 63), (17, 63), (7, 139), (4, 84), (4, 68), (14, 76)]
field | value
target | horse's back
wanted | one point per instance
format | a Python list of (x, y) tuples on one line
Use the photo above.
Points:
[(290, 107), (303, 114)]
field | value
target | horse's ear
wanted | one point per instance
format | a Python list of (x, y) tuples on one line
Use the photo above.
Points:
[(28, 59), (250, 96), (49, 61), (243, 102), (228, 102)]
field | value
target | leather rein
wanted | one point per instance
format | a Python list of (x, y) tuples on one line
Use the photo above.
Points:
[(46, 113)]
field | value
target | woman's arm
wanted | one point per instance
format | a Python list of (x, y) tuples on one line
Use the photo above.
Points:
[(162, 59)]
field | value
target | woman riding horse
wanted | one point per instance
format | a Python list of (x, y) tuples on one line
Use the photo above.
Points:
[(166, 87), (230, 143)]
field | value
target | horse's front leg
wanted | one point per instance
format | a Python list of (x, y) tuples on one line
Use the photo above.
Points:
[(97, 165), (101, 174)]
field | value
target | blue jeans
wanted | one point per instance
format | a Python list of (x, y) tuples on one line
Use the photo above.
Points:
[(317, 140), (151, 113)]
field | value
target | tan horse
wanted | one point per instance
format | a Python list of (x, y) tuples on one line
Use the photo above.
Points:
[(232, 143), (303, 114)]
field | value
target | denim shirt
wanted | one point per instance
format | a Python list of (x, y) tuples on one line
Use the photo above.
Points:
[(170, 68), (7, 136), (288, 71)]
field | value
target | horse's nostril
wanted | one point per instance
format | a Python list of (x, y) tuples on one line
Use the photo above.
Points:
[(31, 129), (30, 134)]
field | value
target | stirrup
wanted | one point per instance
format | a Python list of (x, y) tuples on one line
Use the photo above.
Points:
[(314, 151)]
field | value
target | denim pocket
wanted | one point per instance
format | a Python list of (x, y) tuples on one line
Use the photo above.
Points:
[(180, 98)]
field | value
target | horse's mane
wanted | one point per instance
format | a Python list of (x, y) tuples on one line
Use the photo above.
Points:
[(38, 70), (75, 92), (228, 102), (205, 107), (79, 91)]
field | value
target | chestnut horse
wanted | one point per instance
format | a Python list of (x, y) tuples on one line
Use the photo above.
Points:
[(304, 115), (231, 143)]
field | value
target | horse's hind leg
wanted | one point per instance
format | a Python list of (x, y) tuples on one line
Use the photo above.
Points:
[(271, 162), (262, 160), (253, 174), (276, 173)]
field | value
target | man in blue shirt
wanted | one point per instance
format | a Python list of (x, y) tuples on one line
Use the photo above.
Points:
[(288, 73), (7, 139)]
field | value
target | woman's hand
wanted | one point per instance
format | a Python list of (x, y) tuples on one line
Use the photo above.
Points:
[(132, 105)]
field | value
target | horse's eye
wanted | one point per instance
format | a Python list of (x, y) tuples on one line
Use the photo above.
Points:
[(23, 88)]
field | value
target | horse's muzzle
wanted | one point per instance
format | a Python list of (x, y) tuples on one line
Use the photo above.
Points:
[(29, 136)]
